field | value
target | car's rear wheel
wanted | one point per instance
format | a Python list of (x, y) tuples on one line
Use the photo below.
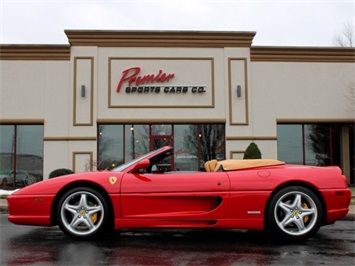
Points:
[(83, 213), (295, 213)]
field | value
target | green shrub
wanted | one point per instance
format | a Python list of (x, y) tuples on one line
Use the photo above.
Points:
[(60, 172), (252, 152)]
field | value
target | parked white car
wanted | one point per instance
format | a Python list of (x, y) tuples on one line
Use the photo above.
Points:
[(23, 179)]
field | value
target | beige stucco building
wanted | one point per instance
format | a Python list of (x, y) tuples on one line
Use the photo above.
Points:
[(278, 97)]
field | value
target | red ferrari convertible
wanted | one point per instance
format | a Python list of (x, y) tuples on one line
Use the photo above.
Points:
[(291, 201)]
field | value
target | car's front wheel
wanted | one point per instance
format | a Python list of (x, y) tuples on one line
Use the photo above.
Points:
[(295, 213), (4, 183), (83, 213)]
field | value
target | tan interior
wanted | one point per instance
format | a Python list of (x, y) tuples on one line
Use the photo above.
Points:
[(231, 164)]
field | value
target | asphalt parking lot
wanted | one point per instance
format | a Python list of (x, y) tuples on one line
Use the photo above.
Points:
[(32, 245)]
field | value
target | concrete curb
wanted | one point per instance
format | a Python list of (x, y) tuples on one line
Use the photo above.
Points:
[(3, 205), (3, 209), (349, 217)]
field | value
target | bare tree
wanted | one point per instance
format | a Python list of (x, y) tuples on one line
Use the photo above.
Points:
[(211, 143), (346, 37)]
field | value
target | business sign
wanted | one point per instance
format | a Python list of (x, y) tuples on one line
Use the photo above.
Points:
[(162, 83)]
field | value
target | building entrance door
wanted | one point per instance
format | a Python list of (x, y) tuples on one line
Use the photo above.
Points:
[(159, 142), (160, 136)]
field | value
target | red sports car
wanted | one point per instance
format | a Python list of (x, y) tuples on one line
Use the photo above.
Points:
[(291, 201)]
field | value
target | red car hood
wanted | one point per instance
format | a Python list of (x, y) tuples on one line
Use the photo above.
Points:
[(53, 185)]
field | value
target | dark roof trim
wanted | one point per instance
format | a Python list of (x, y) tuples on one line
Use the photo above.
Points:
[(302, 54), (34, 52), (159, 38)]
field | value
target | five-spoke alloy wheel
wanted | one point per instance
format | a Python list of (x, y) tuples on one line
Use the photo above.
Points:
[(82, 213), (295, 213)]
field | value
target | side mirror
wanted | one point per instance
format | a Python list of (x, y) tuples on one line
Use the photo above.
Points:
[(143, 164)]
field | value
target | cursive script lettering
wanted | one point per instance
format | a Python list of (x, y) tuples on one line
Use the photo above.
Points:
[(131, 75)]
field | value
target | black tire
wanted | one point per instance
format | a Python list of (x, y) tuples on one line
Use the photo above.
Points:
[(295, 213), (83, 213)]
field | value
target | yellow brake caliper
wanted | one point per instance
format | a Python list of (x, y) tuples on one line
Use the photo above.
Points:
[(94, 217), (306, 218)]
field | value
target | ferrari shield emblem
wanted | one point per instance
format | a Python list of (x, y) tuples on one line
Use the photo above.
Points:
[(113, 180)]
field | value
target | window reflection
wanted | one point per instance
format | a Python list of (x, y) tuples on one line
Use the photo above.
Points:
[(158, 130), (110, 152), (212, 141), (322, 144), (136, 141), (289, 143), (29, 149), (186, 148), (7, 151), (21, 155), (193, 144), (317, 144)]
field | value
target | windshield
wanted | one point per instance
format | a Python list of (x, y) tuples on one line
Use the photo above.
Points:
[(128, 164)]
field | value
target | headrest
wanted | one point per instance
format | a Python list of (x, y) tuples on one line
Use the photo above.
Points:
[(210, 166)]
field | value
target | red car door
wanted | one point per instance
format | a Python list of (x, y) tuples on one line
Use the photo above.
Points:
[(175, 196)]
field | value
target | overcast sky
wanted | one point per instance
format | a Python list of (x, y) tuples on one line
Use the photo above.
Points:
[(276, 23)]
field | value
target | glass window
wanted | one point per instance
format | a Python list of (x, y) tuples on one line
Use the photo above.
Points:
[(29, 151), (315, 147), (290, 144), (136, 141), (21, 155), (161, 130), (186, 148), (193, 144), (212, 141), (110, 151), (7, 152), (322, 144), (318, 144), (158, 142), (310, 144)]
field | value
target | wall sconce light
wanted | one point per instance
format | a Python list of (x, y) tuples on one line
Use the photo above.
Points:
[(239, 91), (83, 91)]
